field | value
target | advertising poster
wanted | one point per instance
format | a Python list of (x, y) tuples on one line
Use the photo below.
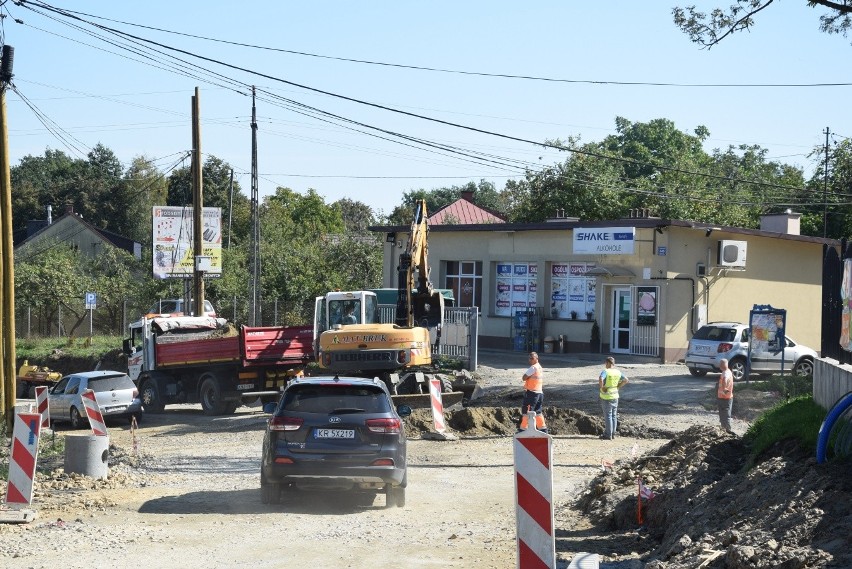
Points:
[(173, 255), (558, 290), (846, 300), (646, 302), (767, 330), (503, 303)]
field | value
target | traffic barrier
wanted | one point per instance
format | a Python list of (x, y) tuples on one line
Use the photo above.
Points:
[(437, 405), (93, 412), (42, 407), (22, 460), (533, 457)]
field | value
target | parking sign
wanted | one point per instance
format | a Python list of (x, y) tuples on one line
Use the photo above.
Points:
[(91, 300)]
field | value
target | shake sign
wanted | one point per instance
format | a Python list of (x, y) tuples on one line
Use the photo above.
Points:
[(604, 241)]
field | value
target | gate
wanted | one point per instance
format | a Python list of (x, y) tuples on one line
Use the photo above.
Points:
[(459, 336), (832, 302)]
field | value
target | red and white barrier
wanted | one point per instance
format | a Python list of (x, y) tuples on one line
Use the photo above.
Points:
[(437, 405), (533, 455), (22, 461), (42, 407), (93, 411)]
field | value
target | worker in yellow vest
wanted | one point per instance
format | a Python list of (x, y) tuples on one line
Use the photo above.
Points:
[(533, 394), (609, 381)]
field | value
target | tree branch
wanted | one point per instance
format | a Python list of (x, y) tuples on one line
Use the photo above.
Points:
[(737, 24)]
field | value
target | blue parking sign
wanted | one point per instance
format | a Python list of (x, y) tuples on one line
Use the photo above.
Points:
[(91, 300)]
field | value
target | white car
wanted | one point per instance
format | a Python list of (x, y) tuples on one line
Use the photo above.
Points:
[(729, 340), (115, 393)]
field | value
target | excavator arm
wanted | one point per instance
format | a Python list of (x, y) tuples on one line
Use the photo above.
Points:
[(417, 302)]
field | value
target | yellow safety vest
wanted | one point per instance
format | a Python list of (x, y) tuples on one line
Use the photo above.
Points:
[(613, 376)]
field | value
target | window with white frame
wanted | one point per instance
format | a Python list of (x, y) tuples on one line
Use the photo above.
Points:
[(572, 293), (465, 280), (515, 287)]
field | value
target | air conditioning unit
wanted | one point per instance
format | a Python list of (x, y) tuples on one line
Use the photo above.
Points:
[(732, 254)]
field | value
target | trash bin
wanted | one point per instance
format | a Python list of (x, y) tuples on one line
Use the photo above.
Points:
[(562, 343), (548, 344)]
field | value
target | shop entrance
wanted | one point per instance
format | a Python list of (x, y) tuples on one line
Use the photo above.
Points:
[(622, 308)]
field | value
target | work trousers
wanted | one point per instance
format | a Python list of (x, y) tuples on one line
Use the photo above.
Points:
[(725, 408), (610, 417)]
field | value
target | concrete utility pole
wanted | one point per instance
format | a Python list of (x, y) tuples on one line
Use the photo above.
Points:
[(254, 285), (7, 266), (197, 207)]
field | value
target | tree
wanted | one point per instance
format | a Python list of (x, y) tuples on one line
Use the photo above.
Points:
[(115, 275), (709, 28)]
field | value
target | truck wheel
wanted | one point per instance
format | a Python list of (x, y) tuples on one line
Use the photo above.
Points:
[(149, 393), (211, 396)]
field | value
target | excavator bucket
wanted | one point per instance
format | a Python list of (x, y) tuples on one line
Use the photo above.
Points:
[(428, 309)]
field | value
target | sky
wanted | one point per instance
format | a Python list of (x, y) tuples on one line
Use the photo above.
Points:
[(90, 89)]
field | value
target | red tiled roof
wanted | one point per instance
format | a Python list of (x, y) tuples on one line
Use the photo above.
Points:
[(462, 212)]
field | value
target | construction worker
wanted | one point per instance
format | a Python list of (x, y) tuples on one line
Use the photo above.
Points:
[(609, 381), (533, 394)]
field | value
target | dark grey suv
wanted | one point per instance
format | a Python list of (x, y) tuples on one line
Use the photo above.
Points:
[(330, 433)]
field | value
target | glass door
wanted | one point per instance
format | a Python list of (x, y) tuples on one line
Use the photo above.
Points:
[(621, 316)]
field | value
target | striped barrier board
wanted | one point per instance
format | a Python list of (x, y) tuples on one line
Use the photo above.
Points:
[(437, 405), (42, 407), (93, 412), (536, 539), (22, 460)]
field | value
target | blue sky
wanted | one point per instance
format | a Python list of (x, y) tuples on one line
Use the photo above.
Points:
[(100, 93)]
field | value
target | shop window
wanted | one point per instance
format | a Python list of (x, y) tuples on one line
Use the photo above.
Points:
[(465, 280), (515, 287), (572, 293)]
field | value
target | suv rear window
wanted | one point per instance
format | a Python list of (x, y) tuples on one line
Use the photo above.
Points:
[(328, 398), (715, 334), (111, 382)]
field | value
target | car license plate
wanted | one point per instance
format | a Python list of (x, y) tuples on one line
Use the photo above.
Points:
[(702, 349), (334, 434)]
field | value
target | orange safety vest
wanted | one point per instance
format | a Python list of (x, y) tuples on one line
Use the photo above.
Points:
[(726, 381), (533, 382)]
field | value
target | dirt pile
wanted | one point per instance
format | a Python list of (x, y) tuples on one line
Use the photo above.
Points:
[(711, 510)]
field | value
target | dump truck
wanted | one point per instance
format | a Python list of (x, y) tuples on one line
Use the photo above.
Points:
[(31, 376), (197, 359)]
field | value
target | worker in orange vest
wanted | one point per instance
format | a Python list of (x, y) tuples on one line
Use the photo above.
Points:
[(533, 394)]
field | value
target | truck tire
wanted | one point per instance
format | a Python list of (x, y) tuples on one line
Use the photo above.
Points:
[(149, 393), (210, 395)]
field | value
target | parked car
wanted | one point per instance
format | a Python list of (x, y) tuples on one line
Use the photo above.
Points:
[(175, 305), (115, 393), (330, 433), (717, 340)]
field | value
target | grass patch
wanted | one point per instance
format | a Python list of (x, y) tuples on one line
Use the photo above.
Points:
[(787, 386), (799, 419), (37, 349)]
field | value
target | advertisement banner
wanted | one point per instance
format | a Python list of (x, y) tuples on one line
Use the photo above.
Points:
[(173, 254), (604, 240)]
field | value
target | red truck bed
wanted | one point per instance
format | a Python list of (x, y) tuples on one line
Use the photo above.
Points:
[(268, 345)]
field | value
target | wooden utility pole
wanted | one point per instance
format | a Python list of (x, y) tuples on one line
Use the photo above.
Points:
[(7, 265), (197, 207)]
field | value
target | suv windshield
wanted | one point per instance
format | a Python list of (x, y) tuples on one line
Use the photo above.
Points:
[(335, 398)]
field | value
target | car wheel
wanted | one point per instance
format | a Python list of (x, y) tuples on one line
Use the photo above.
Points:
[(738, 368), (210, 395), (75, 419), (270, 492), (399, 496), (390, 496), (695, 372), (149, 393), (804, 367)]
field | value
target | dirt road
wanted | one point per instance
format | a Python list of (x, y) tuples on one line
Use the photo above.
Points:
[(184, 490)]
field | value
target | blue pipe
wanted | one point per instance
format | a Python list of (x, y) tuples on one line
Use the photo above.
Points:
[(825, 430)]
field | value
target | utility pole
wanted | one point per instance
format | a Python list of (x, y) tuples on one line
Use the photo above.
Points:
[(825, 189), (7, 265), (254, 285), (197, 206)]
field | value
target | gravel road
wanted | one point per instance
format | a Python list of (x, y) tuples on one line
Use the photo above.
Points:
[(183, 491)]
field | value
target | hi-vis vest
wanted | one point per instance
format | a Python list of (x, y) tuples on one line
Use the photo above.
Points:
[(613, 376), (533, 382)]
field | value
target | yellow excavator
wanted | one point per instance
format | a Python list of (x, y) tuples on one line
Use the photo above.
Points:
[(350, 340)]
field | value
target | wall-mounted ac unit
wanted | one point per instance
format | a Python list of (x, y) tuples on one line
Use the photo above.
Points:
[(732, 254)]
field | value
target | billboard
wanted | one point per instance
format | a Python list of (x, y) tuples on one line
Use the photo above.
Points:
[(172, 244)]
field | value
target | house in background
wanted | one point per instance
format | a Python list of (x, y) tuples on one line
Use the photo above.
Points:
[(72, 230), (648, 282)]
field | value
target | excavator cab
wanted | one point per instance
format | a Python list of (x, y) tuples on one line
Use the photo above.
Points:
[(428, 309)]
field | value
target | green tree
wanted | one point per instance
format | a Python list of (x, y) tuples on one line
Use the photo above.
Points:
[(829, 194), (41, 181), (115, 276), (144, 187), (709, 28)]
